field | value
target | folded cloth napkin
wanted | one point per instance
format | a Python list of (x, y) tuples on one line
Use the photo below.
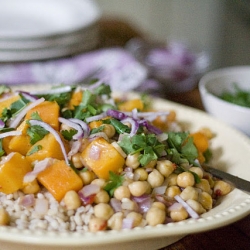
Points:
[(115, 66)]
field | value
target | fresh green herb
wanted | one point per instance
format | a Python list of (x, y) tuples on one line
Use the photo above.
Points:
[(97, 130), (35, 116), (148, 146), (4, 89), (2, 152), (239, 96), (181, 148), (119, 126), (36, 133), (68, 134), (114, 182), (35, 149)]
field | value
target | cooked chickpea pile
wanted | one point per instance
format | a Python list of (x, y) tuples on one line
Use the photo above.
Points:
[(147, 193)]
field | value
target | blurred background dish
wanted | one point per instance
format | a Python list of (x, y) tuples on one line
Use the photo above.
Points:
[(227, 80), (38, 30)]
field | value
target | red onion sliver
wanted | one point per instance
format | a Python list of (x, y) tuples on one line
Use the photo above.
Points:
[(27, 200), (119, 149), (159, 190), (54, 133), (75, 147), (58, 90), (14, 122), (89, 190), (127, 223), (41, 206), (10, 133), (175, 207), (83, 124), (96, 117), (2, 124), (73, 125), (99, 134), (190, 210), (28, 96), (38, 168), (134, 125)]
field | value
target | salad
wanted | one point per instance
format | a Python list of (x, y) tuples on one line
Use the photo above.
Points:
[(79, 159)]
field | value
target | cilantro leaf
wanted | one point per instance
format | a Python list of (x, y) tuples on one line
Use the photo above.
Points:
[(36, 133), (35, 149), (114, 182), (68, 134), (2, 152)]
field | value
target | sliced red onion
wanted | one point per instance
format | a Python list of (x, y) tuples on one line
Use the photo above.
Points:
[(134, 114), (54, 133), (10, 133), (27, 200), (28, 96), (38, 168), (75, 147), (96, 117), (94, 152), (127, 223), (134, 125), (2, 124), (119, 149), (89, 190), (116, 204), (58, 90), (144, 202), (15, 121), (164, 199), (84, 126), (150, 127), (175, 207), (116, 114), (190, 210), (150, 116), (73, 125), (99, 134)]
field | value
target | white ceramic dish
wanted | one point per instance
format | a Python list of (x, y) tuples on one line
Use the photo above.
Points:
[(231, 153), (30, 19), (214, 83)]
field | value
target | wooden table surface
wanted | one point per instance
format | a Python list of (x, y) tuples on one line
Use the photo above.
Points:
[(232, 237)]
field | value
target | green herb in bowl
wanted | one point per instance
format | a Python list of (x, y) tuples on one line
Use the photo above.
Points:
[(239, 96)]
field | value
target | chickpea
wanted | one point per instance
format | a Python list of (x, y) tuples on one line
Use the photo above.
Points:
[(196, 206), (151, 164), (87, 177), (128, 204), (97, 224), (179, 215), (102, 197), (172, 191), (142, 173), (136, 217), (155, 216), (165, 167), (100, 182), (103, 211), (189, 193), (172, 179), (72, 200), (115, 221), (204, 185), (159, 205), (109, 130), (4, 217), (132, 160), (76, 160), (31, 187), (222, 188), (155, 178), (122, 192), (138, 188), (206, 200), (185, 179), (197, 170)]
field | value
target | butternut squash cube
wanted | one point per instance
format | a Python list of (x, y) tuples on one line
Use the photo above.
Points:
[(48, 111), (49, 147), (59, 178), (12, 172), (20, 143), (101, 157), (6, 102), (131, 104), (75, 99)]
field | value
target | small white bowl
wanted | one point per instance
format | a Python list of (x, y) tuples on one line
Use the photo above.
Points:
[(214, 83)]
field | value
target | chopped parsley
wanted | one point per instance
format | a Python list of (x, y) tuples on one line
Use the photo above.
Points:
[(114, 182), (34, 149)]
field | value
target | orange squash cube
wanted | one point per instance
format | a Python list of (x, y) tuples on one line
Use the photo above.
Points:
[(131, 104), (5, 103), (59, 178), (101, 157), (49, 113), (49, 148), (12, 172)]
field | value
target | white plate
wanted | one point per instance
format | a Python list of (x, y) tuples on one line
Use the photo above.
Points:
[(231, 151), (28, 19)]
